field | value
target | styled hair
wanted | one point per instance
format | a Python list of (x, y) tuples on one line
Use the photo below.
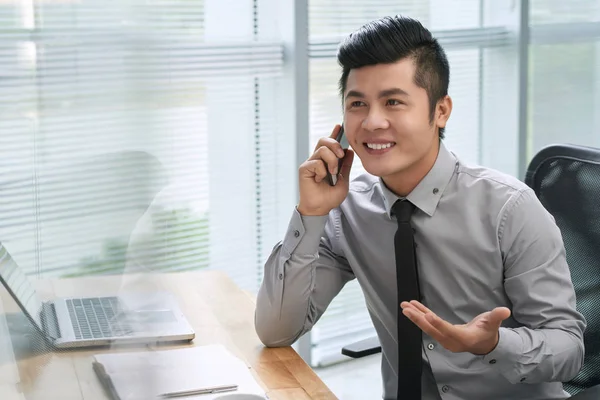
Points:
[(391, 39)]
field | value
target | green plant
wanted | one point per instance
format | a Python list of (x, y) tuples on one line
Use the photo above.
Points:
[(178, 241)]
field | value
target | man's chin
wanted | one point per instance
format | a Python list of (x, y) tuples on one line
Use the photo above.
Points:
[(380, 171), (382, 166), (383, 170)]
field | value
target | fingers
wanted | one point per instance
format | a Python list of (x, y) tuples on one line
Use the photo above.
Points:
[(326, 155), (419, 319), (499, 314), (335, 131), (314, 169), (420, 306), (431, 324), (435, 321), (347, 165), (474, 336), (443, 326), (331, 143), (330, 151)]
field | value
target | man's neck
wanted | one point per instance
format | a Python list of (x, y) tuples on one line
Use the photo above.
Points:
[(403, 182)]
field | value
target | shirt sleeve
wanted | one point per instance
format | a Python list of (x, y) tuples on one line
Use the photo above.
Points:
[(301, 277), (549, 346)]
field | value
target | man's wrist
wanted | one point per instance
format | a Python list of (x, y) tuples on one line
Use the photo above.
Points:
[(487, 347), (304, 234), (310, 213), (494, 343), (507, 351)]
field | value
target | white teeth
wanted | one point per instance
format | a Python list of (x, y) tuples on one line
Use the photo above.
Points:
[(377, 146)]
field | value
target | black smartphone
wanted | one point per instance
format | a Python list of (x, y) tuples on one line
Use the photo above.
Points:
[(341, 139)]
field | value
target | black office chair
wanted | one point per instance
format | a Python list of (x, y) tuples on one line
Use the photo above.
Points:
[(566, 179)]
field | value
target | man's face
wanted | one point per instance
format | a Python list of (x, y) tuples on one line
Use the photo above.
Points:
[(386, 118)]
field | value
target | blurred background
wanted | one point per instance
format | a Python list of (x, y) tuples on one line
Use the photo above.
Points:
[(173, 129)]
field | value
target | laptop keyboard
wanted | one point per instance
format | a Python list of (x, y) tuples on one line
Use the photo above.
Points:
[(98, 317)]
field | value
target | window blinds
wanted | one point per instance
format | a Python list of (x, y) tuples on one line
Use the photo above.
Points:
[(564, 91), (128, 127), (554, 11)]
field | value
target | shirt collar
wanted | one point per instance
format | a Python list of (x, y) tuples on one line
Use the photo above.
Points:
[(426, 195)]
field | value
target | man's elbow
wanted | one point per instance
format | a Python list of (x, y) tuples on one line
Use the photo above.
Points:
[(271, 339), (274, 333), (578, 356)]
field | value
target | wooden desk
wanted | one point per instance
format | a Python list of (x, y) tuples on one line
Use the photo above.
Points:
[(217, 309)]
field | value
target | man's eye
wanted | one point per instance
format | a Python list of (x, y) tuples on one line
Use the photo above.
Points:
[(393, 102), (356, 104)]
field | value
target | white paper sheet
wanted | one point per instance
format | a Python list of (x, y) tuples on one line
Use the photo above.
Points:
[(149, 374)]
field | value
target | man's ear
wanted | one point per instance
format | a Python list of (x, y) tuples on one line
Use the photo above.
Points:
[(443, 111)]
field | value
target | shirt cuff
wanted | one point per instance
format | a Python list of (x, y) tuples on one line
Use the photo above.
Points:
[(304, 233), (506, 355)]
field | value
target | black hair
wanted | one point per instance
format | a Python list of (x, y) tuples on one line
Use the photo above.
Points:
[(391, 39)]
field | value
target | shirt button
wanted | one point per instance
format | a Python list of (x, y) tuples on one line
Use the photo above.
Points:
[(431, 346), (493, 361), (435, 190), (280, 276), (296, 233), (523, 379), (445, 388)]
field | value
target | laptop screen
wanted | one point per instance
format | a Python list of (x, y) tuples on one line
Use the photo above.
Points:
[(19, 286)]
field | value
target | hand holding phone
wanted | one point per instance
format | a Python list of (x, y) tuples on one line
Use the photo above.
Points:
[(341, 139), (323, 178)]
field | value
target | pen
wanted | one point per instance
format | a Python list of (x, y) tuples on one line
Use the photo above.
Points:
[(214, 389)]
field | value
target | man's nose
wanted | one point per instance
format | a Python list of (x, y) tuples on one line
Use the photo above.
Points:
[(375, 120)]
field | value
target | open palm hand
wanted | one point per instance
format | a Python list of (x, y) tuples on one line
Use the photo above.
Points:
[(480, 336)]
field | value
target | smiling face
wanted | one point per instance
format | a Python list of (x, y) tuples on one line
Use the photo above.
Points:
[(387, 122)]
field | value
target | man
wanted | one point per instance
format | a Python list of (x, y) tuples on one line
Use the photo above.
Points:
[(482, 305)]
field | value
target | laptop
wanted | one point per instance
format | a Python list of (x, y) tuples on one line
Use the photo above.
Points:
[(96, 321)]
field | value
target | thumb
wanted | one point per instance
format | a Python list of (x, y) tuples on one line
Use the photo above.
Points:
[(347, 165), (499, 314)]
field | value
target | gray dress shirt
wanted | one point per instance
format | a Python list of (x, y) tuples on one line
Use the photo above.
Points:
[(483, 241)]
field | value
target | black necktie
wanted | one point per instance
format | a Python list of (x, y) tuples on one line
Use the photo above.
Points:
[(409, 335)]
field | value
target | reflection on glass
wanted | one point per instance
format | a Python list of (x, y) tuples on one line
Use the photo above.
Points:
[(564, 95), (560, 12)]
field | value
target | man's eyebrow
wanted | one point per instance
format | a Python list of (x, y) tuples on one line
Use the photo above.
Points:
[(393, 91), (383, 93), (355, 93)]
